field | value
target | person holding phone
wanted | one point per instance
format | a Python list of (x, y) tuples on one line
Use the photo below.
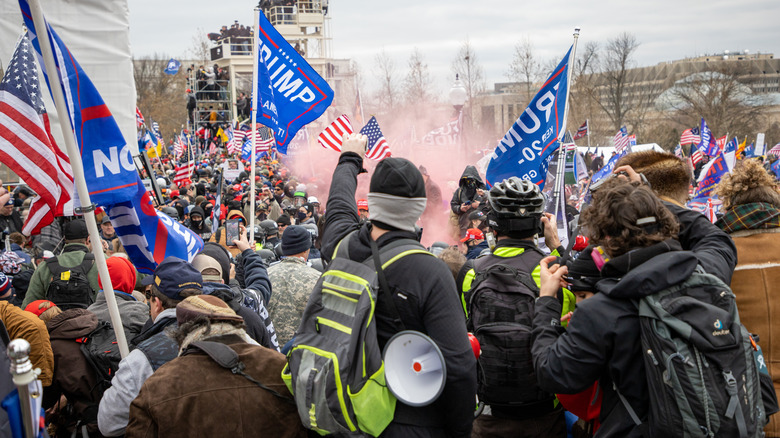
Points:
[(229, 232)]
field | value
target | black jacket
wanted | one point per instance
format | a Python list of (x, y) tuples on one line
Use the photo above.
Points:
[(255, 326), (714, 248), (602, 341), (429, 304), (465, 193)]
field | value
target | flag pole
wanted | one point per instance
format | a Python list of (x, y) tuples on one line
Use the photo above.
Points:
[(87, 209), (559, 186), (587, 131), (253, 158)]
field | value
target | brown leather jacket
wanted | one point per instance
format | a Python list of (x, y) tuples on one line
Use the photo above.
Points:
[(25, 325), (193, 396)]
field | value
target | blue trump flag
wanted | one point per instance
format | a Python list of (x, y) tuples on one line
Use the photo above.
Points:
[(526, 149), (776, 168), (708, 145), (290, 93), (149, 236), (108, 164), (712, 174), (173, 67)]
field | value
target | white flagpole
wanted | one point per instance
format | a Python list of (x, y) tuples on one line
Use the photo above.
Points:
[(587, 131), (559, 186), (88, 209), (255, 91)]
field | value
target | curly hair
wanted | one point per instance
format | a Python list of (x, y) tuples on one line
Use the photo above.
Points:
[(748, 182), (611, 218)]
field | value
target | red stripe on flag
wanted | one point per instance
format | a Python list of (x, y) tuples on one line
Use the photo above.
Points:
[(94, 112)]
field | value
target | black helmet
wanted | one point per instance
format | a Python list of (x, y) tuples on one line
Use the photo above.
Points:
[(267, 255), (516, 208), (172, 212), (269, 227), (516, 198)]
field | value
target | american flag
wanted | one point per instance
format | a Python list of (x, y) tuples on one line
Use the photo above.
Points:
[(265, 140), (690, 136), (139, 118), (332, 136), (582, 131), (621, 140), (696, 155), (775, 150), (678, 150), (156, 130), (378, 149), (184, 171), (238, 136), (26, 144)]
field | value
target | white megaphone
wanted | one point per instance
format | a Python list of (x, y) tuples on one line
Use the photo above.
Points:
[(415, 371)]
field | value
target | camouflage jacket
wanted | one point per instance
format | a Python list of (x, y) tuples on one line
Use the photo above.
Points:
[(292, 281)]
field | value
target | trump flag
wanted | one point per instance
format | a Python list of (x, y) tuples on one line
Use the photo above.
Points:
[(526, 149), (149, 236), (290, 93)]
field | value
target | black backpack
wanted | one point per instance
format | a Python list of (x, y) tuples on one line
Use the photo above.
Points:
[(101, 351), (501, 311), (69, 287)]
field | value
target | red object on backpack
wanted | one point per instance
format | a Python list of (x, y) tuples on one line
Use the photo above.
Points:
[(580, 243)]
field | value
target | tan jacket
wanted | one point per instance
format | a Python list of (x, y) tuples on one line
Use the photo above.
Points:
[(25, 325), (756, 283)]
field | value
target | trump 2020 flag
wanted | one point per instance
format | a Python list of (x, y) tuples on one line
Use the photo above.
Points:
[(290, 93), (712, 174), (108, 164), (150, 236), (525, 150), (708, 142)]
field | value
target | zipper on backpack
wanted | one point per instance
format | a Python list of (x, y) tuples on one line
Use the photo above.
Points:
[(652, 357)]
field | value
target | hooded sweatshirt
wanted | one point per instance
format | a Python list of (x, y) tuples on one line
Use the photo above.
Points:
[(469, 182), (123, 278), (203, 229)]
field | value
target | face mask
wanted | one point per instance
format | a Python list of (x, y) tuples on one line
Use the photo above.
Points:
[(301, 216), (197, 222)]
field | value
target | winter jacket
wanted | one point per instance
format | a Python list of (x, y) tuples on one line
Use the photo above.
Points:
[(131, 375), (193, 396), (74, 377), (756, 283), (204, 228), (293, 282), (476, 250), (427, 301), (133, 312), (22, 324), (602, 341), (469, 182), (255, 326), (72, 256), (252, 282)]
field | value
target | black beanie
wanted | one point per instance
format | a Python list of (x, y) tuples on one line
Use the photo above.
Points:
[(295, 240), (397, 177), (221, 255), (396, 196)]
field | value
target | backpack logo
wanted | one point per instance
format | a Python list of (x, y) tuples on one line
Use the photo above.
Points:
[(719, 326)]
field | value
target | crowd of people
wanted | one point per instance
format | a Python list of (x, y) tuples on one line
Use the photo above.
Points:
[(561, 340)]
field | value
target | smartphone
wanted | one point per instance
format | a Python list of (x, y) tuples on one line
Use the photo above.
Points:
[(231, 231)]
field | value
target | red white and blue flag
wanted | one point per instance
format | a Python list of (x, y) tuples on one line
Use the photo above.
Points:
[(149, 236), (139, 118), (184, 170), (582, 131), (26, 144), (332, 136), (621, 141), (690, 136), (775, 150), (109, 170), (708, 144), (378, 149)]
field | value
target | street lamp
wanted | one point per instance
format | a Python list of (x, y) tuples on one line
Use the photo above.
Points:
[(457, 100)]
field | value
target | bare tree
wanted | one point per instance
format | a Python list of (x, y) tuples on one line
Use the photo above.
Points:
[(466, 66), (524, 67), (616, 61), (200, 50), (417, 84), (727, 104), (386, 74), (160, 96)]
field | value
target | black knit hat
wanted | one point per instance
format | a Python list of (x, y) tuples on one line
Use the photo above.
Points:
[(75, 229), (295, 240), (397, 177)]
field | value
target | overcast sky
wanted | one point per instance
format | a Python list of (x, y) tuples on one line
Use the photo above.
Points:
[(666, 29)]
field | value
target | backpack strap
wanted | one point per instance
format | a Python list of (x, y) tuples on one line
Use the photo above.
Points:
[(227, 358), (56, 268), (643, 427)]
